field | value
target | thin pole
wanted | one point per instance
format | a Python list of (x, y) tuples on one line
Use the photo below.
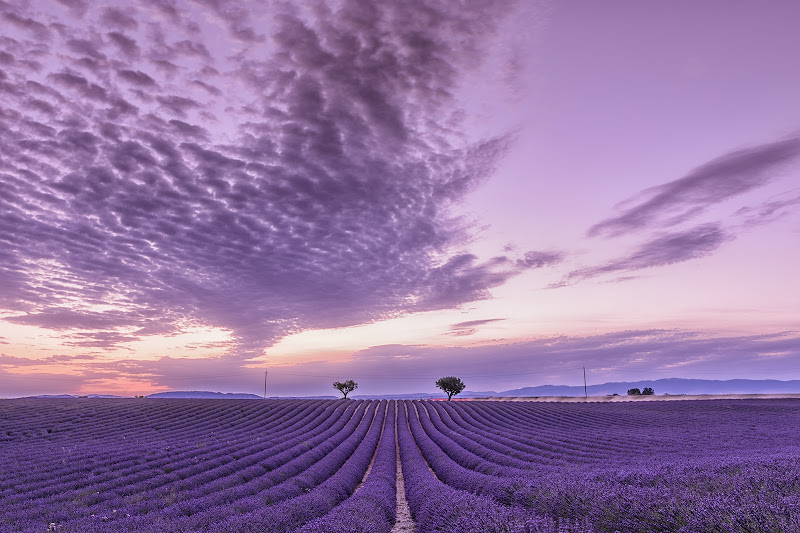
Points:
[(585, 393), (265, 384)]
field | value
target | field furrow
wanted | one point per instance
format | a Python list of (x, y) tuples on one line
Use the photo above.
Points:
[(307, 466)]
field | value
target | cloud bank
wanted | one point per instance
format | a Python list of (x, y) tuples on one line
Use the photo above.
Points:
[(397, 368), (559, 360), (262, 171)]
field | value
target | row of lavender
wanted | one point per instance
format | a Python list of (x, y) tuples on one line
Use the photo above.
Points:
[(168, 465), (317, 466), (717, 465)]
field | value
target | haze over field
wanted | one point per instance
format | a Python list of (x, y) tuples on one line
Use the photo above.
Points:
[(393, 191)]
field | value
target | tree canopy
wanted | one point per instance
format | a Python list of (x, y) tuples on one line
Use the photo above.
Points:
[(345, 387), (451, 385)]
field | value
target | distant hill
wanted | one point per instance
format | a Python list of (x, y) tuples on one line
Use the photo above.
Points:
[(425, 395), (206, 395), (76, 396), (230, 396), (666, 386), (660, 386)]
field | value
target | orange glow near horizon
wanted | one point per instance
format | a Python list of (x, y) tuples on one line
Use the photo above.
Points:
[(122, 386)]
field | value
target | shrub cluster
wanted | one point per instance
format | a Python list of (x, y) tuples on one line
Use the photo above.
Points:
[(644, 392)]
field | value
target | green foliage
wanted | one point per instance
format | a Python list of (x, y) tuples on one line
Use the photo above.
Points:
[(647, 391), (634, 392), (345, 387), (451, 385)]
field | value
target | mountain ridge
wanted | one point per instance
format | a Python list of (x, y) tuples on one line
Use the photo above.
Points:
[(665, 386)]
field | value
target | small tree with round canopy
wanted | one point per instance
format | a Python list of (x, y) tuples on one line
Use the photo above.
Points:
[(451, 385), (345, 387)]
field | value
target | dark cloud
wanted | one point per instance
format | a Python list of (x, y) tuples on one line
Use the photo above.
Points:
[(61, 319), (80, 85), (178, 105), (681, 200), (190, 48), (673, 248), (302, 181), (663, 249), (773, 209), (33, 27), (474, 323), (137, 78), (166, 7), (78, 7), (724, 177), (209, 88), (237, 18), (124, 44), (12, 361), (470, 327), (85, 47), (121, 18), (535, 259), (100, 339), (462, 279)]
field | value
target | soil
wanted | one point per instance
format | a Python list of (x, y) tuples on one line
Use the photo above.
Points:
[(403, 521)]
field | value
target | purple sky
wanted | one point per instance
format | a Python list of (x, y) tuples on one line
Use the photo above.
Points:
[(193, 192)]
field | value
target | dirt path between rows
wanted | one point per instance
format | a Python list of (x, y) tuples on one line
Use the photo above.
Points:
[(403, 521), (374, 453)]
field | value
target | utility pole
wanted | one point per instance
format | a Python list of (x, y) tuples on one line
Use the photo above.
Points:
[(265, 383), (585, 393)]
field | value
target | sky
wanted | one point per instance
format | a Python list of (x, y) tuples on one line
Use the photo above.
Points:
[(195, 192)]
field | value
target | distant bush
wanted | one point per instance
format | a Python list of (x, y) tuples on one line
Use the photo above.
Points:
[(647, 391), (634, 392)]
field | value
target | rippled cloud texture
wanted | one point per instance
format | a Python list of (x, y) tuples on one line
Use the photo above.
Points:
[(259, 169)]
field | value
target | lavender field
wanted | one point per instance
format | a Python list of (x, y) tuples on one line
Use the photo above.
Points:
[(143, 465)]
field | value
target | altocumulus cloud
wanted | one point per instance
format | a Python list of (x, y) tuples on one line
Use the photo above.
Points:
[(261, 171)]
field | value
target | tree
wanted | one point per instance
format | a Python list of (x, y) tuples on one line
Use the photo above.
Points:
[(648, 391), (451, 385), (345, 387), (634, 392)]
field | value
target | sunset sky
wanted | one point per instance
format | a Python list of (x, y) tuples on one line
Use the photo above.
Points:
[(194, 192)]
